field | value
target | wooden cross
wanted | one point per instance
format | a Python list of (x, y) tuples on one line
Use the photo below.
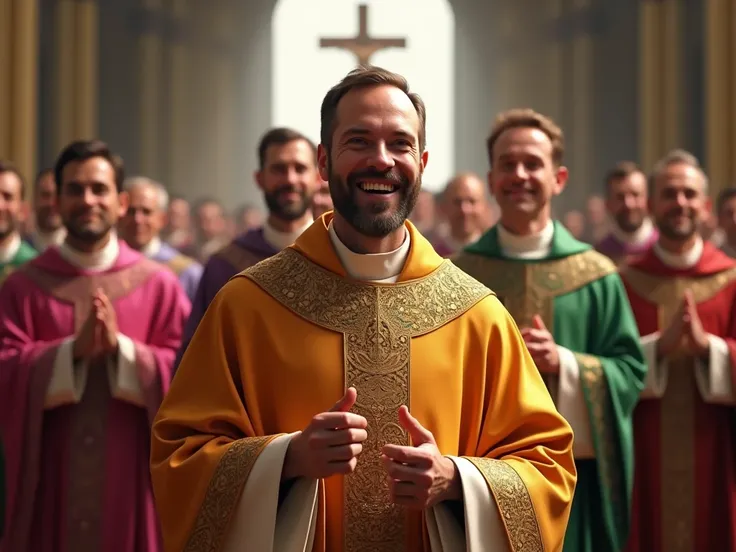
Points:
[(363, 46)]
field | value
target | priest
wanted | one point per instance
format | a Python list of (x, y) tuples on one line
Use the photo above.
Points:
[(88, 334), (575, 320), (683, 292), (360, 326), (48, 227), (632, 232), (289, 179), (141, 228), (13, 250)]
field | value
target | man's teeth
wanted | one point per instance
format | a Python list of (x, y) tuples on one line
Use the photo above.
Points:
[(376, 187)]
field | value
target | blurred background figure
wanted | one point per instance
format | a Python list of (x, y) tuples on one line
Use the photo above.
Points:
[(574, 221), (141, 227), (178, 232), (596, 219), (467, 210), (322, 201), (631, 230), (48, 227), (726, 211), (248, 217)]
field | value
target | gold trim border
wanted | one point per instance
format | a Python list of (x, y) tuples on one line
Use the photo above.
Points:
[(223, 494), (514, 503)]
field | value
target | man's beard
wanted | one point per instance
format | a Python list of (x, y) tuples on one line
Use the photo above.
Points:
[(629, 222), (7, 227), (685, 232), (88, 235), (290, 211), (48, 220), (375, 221)]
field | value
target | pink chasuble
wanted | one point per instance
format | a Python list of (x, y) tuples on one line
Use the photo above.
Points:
[(78, 474)]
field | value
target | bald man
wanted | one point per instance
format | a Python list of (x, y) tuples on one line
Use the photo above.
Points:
[(141, 229), (466, 207)]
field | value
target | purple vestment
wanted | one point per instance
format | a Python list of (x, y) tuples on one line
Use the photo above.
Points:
[(243, 252), (187, 269), (619, 251), (78, 474)]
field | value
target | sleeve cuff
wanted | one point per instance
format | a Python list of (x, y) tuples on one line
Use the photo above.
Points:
[(259, 522), (714, 378), (656, 381), (125, 384), (68, 380), (572, 406), (483, 529)]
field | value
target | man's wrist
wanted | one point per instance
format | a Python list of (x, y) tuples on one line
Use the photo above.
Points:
[(289, 469), (454, 490)]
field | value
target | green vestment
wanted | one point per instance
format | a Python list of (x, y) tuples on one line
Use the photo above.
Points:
[(581, 299), (24, 254)]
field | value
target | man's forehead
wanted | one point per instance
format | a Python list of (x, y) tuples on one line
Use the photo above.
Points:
[(96, 167), (377, 107), (298, 149), (523, 139), (9, 181)]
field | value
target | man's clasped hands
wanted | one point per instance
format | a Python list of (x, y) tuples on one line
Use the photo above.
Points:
[(419, 476)]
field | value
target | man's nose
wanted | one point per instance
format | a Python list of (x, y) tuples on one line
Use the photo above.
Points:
[(381, 159)]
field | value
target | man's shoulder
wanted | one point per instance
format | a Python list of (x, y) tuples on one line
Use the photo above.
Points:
[(26, 252), (180, 263)]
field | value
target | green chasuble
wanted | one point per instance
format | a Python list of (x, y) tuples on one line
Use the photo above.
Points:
[(580, 297), (24, 254)]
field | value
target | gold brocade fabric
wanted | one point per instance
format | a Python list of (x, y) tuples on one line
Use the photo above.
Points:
[(529, 288), (377, 323)]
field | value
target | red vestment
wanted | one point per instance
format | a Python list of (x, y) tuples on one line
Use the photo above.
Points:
[(685, 441)]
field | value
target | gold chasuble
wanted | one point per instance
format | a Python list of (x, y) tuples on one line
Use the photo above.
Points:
[(283, 340)]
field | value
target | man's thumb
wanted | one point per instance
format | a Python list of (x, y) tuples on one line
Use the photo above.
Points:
[(347, 401), (538, 323), (417, 433)]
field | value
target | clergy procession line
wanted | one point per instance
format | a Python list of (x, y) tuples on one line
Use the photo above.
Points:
[(340, 378)]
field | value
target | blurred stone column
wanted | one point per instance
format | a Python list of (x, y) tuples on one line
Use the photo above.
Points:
[(660, 85), (150, 77), (76, 74), (720, 93), (19, 83)]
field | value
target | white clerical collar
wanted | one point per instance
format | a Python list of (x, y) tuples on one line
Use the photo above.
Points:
[(637, 237), (533, 246), (97, 260), (281, 240), (688, 259), (9, 250), (152, 248), (44, 240), (372, 267)]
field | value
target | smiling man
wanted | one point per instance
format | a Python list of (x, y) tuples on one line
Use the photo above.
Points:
[(575, 319), (632, 231), (141, 228), (288, 178), (359, 351), (88, 334), (13, 250), (683, 292)]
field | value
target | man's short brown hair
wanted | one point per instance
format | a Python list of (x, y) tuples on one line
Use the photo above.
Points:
[(362, 77), (8, 167), (621, 170), (82, 150), (676, 157), (279, 137), (527, 118)]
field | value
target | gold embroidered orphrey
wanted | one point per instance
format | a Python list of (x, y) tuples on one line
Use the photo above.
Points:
[(529, 288), (223, 494), (677, 406), (377, 323)]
